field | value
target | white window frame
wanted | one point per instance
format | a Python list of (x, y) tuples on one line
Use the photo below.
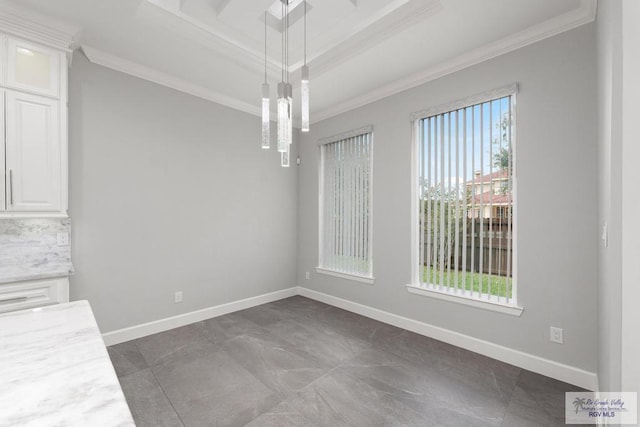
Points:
[(482, 301), (368, 279)]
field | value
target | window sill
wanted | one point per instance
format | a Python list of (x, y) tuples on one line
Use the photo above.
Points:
[(485, 304), (354, 277)]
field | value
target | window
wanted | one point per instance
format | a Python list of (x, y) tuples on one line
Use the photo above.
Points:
[(465, 199), (502, 212), (345, 205)]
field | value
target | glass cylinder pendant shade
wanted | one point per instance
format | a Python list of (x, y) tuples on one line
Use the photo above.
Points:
[(290, 117), (304, 97), (282, 122), (266, 128), (285, 123)]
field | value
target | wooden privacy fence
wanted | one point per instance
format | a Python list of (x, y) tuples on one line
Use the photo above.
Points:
[(497, 246)]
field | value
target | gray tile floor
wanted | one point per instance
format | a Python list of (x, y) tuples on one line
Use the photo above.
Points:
[(298, 362)]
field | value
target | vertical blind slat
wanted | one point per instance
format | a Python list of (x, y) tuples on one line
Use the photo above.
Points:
[(473, 197), (448, 199), (456, 255), (427, 180), (491, 191), (465, 214), (481, 237), (510, 197)]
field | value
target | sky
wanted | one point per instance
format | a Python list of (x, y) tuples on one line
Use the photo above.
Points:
[(473, 137)]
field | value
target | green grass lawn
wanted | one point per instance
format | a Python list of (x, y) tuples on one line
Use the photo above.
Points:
[(470, 281)]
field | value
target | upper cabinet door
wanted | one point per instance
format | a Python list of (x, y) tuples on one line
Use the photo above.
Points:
[(33, 151), (33, 68)]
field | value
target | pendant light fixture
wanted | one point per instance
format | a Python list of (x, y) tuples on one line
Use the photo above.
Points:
[(266, 126), (284, 101), (304, 82), (285, 94)]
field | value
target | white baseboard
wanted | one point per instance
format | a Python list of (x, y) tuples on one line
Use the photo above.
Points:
[(549, 368), (138, 331)]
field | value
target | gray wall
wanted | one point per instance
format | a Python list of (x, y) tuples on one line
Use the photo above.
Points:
[(171, 192), (557, 184), (609, 46)]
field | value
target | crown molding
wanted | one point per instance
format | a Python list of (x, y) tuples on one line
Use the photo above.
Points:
[(34, 27), (108, 60), (585, 14)]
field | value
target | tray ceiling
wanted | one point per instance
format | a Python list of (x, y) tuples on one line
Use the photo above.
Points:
[(357, 50)]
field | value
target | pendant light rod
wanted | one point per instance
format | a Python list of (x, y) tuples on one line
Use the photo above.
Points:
[(286, 40), (282, 43), (304, 82), (265, 46)]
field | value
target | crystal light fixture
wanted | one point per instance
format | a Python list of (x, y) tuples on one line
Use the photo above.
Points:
[(284, 102), (304, 81), (266, 127), (285, 122), (285, 94)]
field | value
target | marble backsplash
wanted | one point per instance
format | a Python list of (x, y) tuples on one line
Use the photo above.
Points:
[(29, 248)]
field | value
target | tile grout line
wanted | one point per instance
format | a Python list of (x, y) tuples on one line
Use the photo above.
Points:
[(158, 382), (511, 397), (165, 395)]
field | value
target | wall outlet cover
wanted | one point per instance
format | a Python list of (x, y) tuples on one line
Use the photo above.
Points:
[(177, 297), (63, 239), (556, 335)]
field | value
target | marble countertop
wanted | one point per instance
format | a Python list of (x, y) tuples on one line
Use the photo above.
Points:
[(17, 273), (55, 370)]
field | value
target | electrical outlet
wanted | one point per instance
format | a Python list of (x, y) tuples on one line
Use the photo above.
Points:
[(555, 335), (63, 239), (307, 276), (177, 297)]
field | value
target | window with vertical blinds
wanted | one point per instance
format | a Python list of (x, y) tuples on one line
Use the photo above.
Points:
[(345, 204), (466, 198)]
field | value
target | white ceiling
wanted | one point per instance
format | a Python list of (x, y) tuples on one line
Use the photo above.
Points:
[(357, 50)]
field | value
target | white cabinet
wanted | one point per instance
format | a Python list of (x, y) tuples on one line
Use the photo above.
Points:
[(32, 147), (33, 293), (33, 128), (33, 68)]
